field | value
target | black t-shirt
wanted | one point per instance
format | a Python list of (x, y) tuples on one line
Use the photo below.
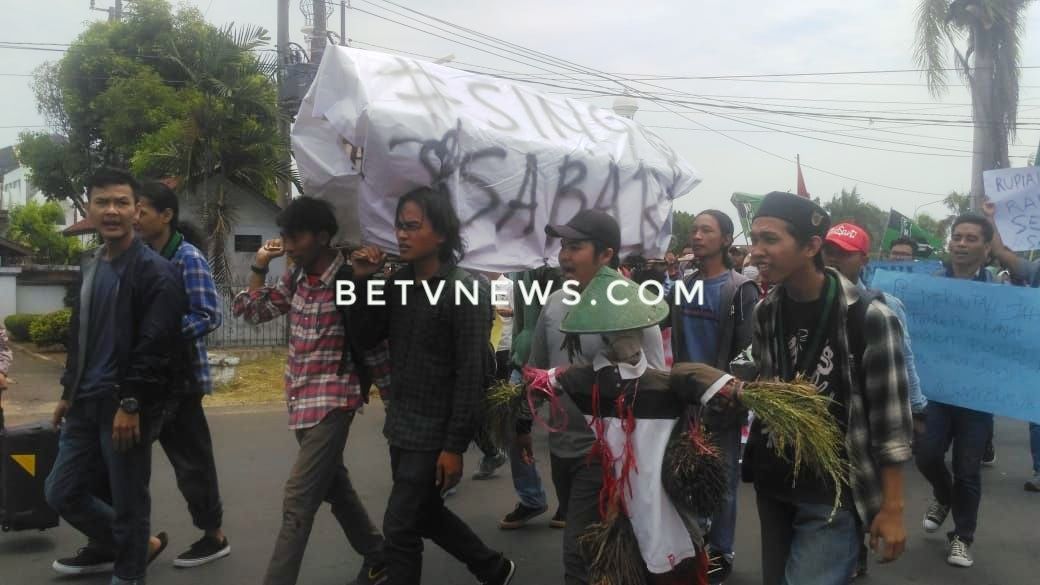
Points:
[(773, 475)]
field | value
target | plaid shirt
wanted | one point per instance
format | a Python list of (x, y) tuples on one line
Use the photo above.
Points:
[(5, 351), (439, 354), (316, 338), (203, 315), (879, 425)]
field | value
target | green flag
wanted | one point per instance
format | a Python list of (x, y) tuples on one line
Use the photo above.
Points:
[(900, 225), (747, 206)]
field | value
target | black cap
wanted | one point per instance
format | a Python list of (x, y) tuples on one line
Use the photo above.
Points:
[(590, 224), (801, 212)]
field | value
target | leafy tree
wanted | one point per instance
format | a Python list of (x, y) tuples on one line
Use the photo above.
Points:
[(986, 38), (682, 223), (849, 206), (168, 95), (34, 225)]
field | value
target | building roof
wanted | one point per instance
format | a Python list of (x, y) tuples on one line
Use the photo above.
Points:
[(12, 248), (79, 228)]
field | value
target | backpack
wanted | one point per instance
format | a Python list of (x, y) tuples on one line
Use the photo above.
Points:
[(351, 352)]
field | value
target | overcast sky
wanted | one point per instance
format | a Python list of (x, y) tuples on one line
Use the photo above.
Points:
[(684, 38)]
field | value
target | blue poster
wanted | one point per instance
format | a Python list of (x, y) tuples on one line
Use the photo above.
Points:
[(976, 344), (916, 267)]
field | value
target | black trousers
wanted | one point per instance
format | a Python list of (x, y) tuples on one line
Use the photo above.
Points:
[(416, 511)]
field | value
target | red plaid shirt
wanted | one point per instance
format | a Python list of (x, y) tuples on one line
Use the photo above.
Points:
[(316, 337)]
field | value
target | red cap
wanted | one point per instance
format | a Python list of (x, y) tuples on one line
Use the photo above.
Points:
[(849, 237)]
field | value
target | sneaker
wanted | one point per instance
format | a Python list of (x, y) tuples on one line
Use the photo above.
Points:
[(559, 520), (87, 561), (935, 516), (719, 568), (505, 574), (989, 457), (959, 554), (519, 516), (372, 575), (1033, 485), (204, 550), (489, 465)]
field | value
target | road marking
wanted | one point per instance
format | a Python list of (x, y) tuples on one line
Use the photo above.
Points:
[(21, 347)]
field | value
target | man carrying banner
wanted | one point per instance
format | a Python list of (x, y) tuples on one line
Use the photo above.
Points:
[(715, 332), (1028, 272), (814, 323), (967, 430), (438, 355)]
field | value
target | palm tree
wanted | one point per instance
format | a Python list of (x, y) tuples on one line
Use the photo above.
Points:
[(985, 36), (230, 137)]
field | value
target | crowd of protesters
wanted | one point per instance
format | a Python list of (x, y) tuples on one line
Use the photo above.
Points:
[(791, 304)]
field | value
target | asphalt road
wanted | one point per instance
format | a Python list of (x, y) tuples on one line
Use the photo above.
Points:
[(255, 452)]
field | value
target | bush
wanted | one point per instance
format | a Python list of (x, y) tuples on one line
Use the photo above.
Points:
[(52, 328), (18, 325)]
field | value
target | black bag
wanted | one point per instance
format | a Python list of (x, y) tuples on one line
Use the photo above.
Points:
[(27, 455)]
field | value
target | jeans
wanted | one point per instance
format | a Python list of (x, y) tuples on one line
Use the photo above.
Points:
[(319, 475), (1034, 445), (578, 484), (801, 545), (968, 430), (85, 446), (724, 521), (416, 511), (526, 480)]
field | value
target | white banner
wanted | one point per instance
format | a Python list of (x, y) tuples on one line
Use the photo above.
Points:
[(1016, 193), (512, 159)]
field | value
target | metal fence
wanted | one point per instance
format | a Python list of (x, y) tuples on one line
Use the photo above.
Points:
[(235, 332)]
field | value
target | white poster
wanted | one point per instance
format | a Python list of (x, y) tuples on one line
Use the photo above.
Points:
[(1016, 193), (512, 159)]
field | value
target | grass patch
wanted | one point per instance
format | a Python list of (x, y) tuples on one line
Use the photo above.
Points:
[(256, 382)]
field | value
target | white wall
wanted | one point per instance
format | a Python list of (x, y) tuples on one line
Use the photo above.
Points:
[(40, 299), (8, 292)]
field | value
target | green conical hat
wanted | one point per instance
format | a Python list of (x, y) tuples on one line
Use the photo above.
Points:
[(595, 313)]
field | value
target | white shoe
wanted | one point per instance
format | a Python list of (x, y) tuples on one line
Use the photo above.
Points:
[(959, 555), (935, 516)]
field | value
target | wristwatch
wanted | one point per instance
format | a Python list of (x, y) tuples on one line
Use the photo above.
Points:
[(129, 405)]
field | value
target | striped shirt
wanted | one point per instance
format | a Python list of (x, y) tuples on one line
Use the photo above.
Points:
[(316, 338), (203, 315)]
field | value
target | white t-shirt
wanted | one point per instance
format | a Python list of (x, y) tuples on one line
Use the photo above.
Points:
[(503, 297)]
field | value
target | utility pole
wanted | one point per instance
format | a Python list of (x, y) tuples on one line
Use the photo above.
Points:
[(320, 36), (284, 194), (343, 23), (115, 13)]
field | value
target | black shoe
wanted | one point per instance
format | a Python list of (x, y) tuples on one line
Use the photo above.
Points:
[(719, 568), (520, 516), (989, 458), (204, 550), (372, 575), (88, 561), (559, 520), (163, 541), (505, 574)]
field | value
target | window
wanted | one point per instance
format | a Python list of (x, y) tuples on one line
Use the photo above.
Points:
[(248, 243)]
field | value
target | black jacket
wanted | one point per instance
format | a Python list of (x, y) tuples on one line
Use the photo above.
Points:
[(152, 354)]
